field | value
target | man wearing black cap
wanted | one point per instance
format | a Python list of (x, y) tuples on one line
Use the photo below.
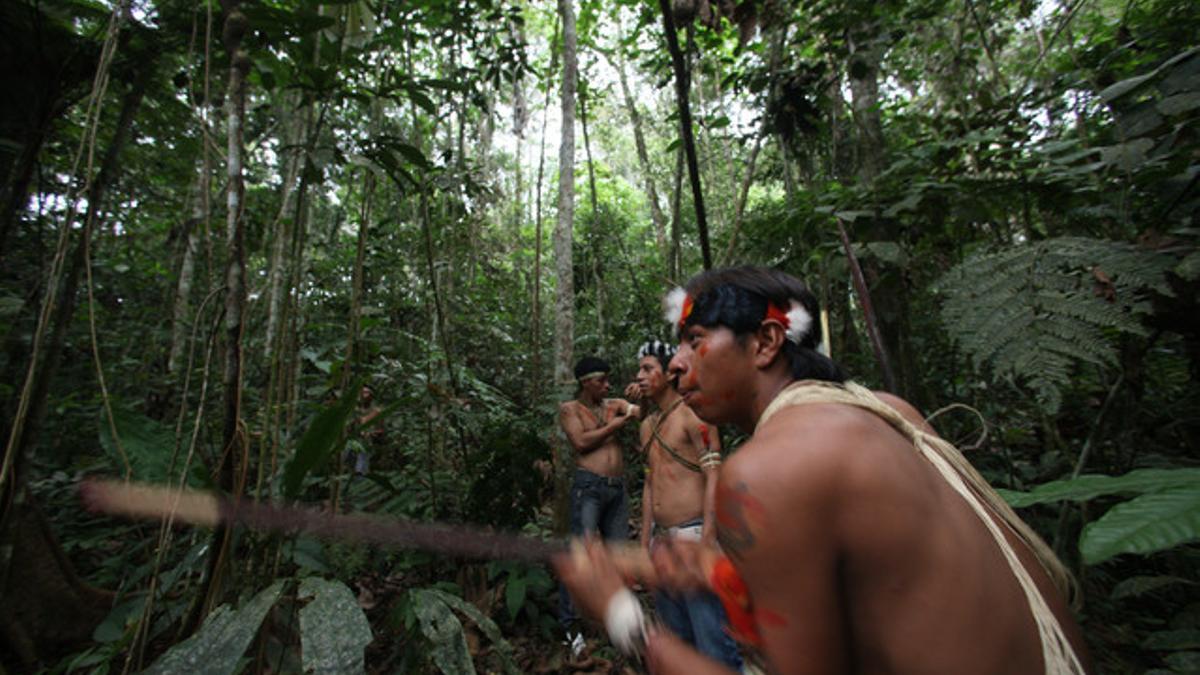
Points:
[(599, 501)]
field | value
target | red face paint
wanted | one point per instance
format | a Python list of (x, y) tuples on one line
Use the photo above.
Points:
[(702, 350), (728, 396), (704, 434)]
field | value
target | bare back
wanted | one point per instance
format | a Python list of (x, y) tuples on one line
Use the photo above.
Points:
[(678, 491), (575, 418), (885, 569)]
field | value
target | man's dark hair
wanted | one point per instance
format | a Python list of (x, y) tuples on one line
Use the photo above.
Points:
[(659, 350), (738, 298), (591, 364)]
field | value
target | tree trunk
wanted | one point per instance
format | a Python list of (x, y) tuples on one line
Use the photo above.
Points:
[(869, 316), (36, 579), (60, 303), (594, 230), (230, 464), (282, 227), (675, 262), (564, 301), (743, 193), (682, 84), (535, 322), (639, 139), (193, 231), (16, 187), (868, 125)]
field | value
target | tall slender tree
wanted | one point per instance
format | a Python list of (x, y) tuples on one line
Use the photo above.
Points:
[(564, 300)]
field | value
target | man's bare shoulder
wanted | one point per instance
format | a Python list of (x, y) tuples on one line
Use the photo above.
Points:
[(821, 447), (906, 409), (687, 417), (798, 446)]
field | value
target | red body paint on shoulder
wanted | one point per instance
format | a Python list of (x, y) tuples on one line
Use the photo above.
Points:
[(766, 617), (704, 434)]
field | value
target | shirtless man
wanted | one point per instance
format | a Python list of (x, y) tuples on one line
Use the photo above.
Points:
[(678, 499), (856, 540), (598, 500)]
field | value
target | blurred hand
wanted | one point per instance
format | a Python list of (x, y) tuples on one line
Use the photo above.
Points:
[(633, 391), (668, 655), (590, 575), (683, 565)]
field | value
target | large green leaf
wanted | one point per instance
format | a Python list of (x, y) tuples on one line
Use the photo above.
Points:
[(320, 441), (1187, 638), (1135, 586), (333, 629), (219, 644), (444, 632), (514, 595), (489, 627), (1090, 486), (148, 445), (1146, 524)]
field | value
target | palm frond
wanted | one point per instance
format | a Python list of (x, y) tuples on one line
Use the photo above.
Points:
[(1033, 312)]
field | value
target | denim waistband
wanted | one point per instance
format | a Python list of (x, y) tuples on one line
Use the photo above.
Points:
[(585, 476)]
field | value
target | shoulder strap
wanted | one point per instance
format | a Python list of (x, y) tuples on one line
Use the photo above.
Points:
[(655, 436), (684, 461), (1058, 656)]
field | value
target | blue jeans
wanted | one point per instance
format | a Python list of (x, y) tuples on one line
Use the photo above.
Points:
[(598, 504), (699, 619)]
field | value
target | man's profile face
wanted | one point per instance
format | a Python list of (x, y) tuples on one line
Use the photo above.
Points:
[(650, 376), (712, 368)]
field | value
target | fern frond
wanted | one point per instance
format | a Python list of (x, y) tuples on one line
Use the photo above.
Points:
[(1034, 312)]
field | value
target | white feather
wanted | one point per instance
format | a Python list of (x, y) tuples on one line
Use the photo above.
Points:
[(673, 306), (799, 321)]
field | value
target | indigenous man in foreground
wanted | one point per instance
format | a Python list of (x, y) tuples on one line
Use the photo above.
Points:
[(598, 500), (678, 500), (854, 539)]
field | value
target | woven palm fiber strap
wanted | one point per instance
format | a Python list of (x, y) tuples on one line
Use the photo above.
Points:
[(1057, 655), (654, 436)]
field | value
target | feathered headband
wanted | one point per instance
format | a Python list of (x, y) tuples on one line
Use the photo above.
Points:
[(677, 307)]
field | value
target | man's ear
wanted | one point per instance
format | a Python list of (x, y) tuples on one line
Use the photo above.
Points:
[(768, 343)]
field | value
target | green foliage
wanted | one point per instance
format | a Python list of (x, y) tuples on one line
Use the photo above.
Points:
[(219, 644), (150, 448), (1033, 312), (435, 609), (1087, 487), (323, 439), (524, 585), (444, 632), (1146, 524), (506, 490), (1164, 515), (333, 629), (1135, 586)]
